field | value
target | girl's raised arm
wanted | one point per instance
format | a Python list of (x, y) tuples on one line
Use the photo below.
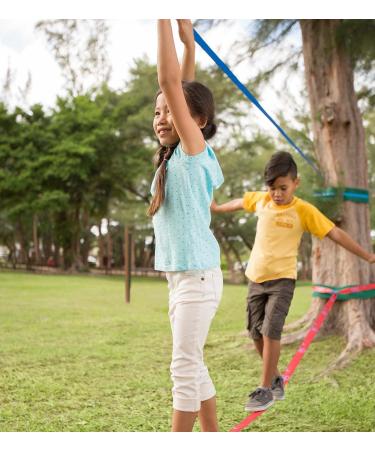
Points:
[(185, 30), (169, 77)]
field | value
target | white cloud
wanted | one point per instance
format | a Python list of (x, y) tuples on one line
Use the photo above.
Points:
[(24, 52), (148, 9), (130, 39)]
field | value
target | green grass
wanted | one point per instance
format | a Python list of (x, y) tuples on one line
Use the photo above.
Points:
[(75, 357)]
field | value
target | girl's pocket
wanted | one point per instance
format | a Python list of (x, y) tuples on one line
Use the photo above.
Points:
[(190, 286)]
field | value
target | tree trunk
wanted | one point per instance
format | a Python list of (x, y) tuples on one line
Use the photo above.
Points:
[(227, 252), (76, 241), (24, 245), (36, 240), (304, 256), (340, 150), (108, 268), (101, 250), (13, 253), (47, 247), (57, 255), (148, 253), (85, 247), (239, 261), (133, 265)]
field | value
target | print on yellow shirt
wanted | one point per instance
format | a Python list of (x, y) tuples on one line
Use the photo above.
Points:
[(284, 221)]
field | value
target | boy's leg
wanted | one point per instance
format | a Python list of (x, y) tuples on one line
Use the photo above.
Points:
[(280, 296), (262, 398), (256, 304), (271, 354), (259, 399), (259, 345)]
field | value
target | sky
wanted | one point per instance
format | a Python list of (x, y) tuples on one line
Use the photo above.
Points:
[(132, 34), (25, 51)]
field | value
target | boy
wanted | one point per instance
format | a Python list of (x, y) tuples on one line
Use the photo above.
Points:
[(282, 219)]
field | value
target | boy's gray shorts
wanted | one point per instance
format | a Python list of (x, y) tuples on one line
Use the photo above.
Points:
[(267, 307)]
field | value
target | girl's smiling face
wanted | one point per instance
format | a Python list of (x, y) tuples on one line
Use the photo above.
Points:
[(163, 123)]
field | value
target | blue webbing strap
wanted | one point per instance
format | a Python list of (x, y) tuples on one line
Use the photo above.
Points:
[(199, 40)]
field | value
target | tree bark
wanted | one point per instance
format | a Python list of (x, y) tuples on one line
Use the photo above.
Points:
[(148, 253), (341, 153), (108, 268), (101, 251), (58, 255), (13, 253), (36, 240), (227, 252), (24, 244), (305, 258), (239, 260), (133, 265), (47, 242), (85, 247), (76, 264)]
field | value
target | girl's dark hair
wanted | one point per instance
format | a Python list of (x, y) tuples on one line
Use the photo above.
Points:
[(281, 164), (201, 104)]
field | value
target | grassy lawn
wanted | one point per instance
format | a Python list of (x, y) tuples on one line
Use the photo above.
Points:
[(75, 357)]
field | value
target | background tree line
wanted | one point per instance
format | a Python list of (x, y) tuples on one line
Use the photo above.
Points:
[(72, 177)]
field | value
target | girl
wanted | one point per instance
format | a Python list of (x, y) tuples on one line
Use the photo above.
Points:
[(186, 249)]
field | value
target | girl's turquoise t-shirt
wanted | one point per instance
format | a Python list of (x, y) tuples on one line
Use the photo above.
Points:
[(183, 239)]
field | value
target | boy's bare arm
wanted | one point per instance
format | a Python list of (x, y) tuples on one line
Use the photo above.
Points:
[(342, 238), (185, 30), (232, 205)]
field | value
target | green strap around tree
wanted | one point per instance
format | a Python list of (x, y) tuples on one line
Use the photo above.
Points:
[(354, 295), (347, 194)]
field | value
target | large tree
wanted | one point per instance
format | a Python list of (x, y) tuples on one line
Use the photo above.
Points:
[(341, 151), (334, 51)]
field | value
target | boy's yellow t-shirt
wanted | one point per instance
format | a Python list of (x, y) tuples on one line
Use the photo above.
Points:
[(278, 235)]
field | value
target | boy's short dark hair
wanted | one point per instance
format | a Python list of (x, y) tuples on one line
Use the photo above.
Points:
[(281, 164)]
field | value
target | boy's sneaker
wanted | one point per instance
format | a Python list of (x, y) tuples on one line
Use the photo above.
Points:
[(278, 388), (260, 399)]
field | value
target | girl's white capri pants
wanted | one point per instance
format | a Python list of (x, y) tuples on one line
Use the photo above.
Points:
[(194, 297)]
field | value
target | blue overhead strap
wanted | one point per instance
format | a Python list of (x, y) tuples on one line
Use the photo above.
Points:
[(199, 40)]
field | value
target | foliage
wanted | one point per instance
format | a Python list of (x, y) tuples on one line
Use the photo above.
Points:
[(89, 158)]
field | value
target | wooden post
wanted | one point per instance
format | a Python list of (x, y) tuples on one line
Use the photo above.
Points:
[(128, 263)]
